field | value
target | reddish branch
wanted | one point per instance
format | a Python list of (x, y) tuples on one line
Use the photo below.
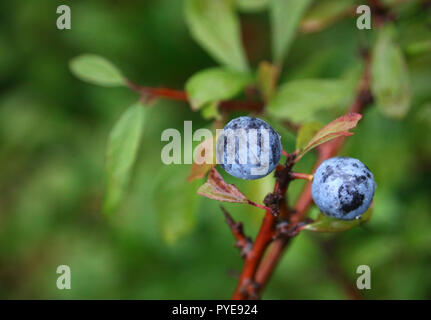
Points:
[(150, 93), (257, 270), (247, 287)]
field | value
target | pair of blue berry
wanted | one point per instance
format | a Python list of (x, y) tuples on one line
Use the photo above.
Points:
[(342, 187)]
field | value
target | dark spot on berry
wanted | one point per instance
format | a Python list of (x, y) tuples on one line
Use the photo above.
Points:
[(367, 173), (253, 125), (355, 165), (359, 179), (274, 151), (234, 125), (350, 198), (329, 171)]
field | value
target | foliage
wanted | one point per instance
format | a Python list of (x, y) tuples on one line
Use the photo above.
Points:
[(54, 131), (215, 25), (97, 70), (337, 128), (391, 84), (299, 100), (122, 148), (214, 85)]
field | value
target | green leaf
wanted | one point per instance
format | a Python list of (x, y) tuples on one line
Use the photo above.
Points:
[(252, 5), (96, 70), (337, 128), (215, 26), (285, 16), (213, 85), (327, 224), (217, 189), (175, 203), (391, 84), (298, 100), (306, 133), (123, 144)]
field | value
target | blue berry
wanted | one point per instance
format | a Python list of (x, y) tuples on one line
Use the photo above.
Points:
[(343, 188), (248, 148)]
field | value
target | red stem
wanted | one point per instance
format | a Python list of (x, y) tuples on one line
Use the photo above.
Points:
[(260, 206), (304, 176), (178, 95), (246, 287)]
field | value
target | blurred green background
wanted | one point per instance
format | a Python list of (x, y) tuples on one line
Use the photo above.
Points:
[(166, 242)]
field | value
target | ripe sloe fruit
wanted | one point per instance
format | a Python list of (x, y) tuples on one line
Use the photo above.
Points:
[(248, 148), (343, 188)]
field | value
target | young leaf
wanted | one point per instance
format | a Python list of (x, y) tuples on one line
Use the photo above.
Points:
[(285, 16), (306, 132), (215, 26), (208, 160), (217, 189), (298, 100), (337, 128), (96, 70), (215, 84), (175, 203), (122, 148), (327, 224), (391, 84)]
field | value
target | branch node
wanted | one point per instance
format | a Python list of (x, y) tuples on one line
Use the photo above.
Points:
[(274, 201), (285, 230)]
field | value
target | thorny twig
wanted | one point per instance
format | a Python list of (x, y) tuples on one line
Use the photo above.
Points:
[(243, 242)]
